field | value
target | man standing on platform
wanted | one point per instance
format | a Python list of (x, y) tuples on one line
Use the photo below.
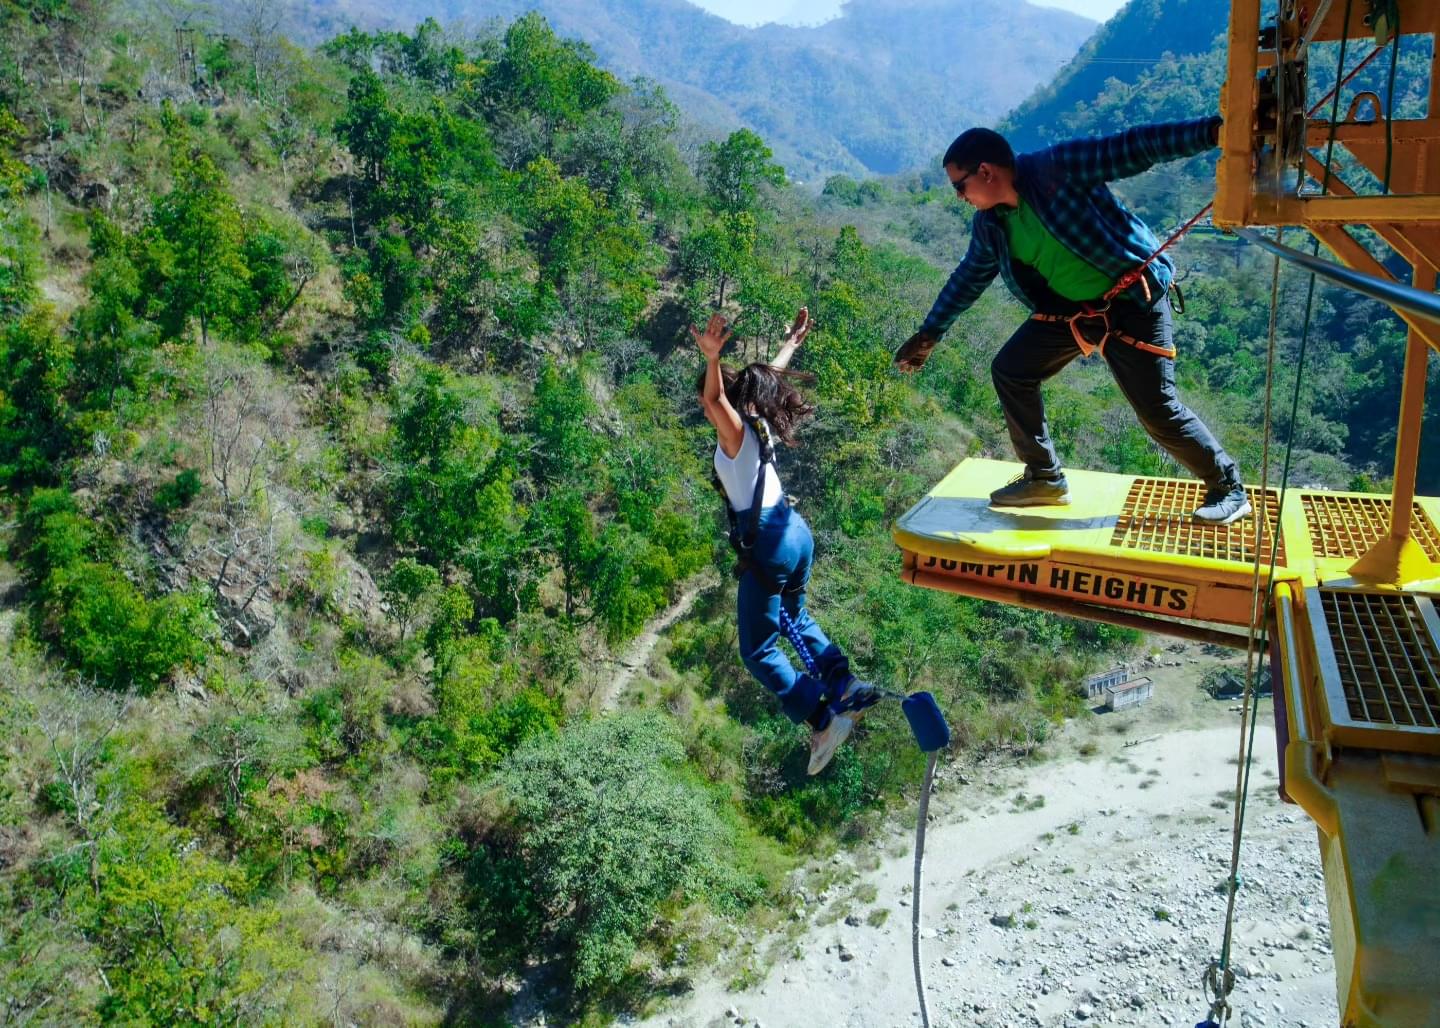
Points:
[(1064, 243)]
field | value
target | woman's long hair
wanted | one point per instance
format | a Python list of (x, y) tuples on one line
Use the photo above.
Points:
[(769, 392)]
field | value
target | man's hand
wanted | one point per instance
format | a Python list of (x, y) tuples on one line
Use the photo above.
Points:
[(915, 351), (712, 340)]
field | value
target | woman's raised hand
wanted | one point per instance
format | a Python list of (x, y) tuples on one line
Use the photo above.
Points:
[(714, 338), (799, 328)]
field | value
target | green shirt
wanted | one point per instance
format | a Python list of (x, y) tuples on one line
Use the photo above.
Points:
[(1031, 243)]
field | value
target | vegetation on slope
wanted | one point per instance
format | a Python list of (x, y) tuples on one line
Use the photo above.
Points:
[(348, 430)]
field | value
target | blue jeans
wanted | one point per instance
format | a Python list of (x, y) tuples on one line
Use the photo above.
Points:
[(783, 551)]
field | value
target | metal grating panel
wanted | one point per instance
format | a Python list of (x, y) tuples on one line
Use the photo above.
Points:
[(1156, 517), (1347, 526), (1388, 663)]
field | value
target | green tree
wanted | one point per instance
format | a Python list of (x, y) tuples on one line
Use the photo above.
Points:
[(368, 125), (733, 171), (501, 560), (407, 588), (610, 827), (551, 80), (98, 620), (195, 257), (720, 252), (454, 610), (36, 426), (449, 465), (566, 446), (566, 528), (113, 345), (629, 580), (179, 943), (107, 629), (19, 256)]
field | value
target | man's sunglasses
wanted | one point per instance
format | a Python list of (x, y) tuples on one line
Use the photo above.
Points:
[(959, 183)]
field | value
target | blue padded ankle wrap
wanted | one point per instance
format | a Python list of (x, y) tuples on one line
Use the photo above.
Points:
[(927, 723)]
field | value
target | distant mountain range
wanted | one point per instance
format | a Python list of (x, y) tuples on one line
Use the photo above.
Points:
[(882, 88), (1153, 59)]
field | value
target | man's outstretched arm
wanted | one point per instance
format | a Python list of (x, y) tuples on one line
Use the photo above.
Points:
[(1135, 150), (966, 283)]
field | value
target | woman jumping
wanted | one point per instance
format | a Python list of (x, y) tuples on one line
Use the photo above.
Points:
[(773, 541)]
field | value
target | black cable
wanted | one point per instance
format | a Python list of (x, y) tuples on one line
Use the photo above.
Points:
[(1390, 96), (920, 818)]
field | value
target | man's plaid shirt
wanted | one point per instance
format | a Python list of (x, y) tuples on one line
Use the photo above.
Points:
[(1065, 186)]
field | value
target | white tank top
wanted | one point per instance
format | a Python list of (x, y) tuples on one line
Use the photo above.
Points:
[(738, 475)]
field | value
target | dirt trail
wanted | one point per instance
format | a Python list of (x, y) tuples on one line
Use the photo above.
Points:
[(637, 653)]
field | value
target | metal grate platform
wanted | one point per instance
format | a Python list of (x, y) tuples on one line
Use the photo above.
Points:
[(1347, 526), (1156, 517), (1388, 661)]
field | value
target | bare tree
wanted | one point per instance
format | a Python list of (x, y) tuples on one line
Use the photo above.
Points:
[(240, 745), (245, 422), (338, 984), (77, 726), (286, 132), (72, 32), (256, 25), (239, 438)]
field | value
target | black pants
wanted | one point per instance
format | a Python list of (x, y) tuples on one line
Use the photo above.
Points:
[(1039, 349)]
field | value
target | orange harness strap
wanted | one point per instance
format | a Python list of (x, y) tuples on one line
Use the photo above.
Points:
[(1091, 329)]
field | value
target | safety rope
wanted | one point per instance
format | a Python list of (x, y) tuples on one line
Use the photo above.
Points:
[(1219, 974), (787, 625), (792, 632), (1220, 979), (1390, 93), (1135, 274), (920, 820)]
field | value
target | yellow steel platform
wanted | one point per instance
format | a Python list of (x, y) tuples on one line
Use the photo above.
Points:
[(1125, 545), (1358, 711)]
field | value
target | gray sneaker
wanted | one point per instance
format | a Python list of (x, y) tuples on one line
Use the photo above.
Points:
[(855, 698), (1032, 492), (1223, 504), (825, 742)]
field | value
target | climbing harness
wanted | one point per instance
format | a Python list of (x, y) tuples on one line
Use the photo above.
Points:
[(742, 536), (1092, 328)]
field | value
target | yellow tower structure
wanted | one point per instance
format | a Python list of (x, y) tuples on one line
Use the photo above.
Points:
[(1358, 634), (1352, 614)]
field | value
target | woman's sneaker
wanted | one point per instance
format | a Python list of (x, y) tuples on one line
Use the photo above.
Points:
[(827, 740), (856, 698), (1223, 504)]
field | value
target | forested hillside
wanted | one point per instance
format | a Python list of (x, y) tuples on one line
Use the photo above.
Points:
[(880, 89), (1147, 42), (348, 434)]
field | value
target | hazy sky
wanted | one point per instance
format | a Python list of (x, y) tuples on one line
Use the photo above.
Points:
[(810, 12)]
